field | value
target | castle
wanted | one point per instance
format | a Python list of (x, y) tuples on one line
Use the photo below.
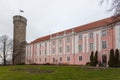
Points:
[(74, 46)]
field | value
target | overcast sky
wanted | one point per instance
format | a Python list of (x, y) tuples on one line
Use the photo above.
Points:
[(49, 16)]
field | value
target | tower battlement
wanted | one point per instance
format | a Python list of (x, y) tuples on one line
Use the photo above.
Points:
[(19, 18)]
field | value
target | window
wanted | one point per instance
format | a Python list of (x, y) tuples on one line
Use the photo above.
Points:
[(45, 44), (53, 59), (45, 60), (91, 46), (40, 60), (60, 41), (35, 60), (45, 52), (80, 58), (104, 44), (53, 50), (40, 52), (80, 37), (90, 35), (68, 48), (80, 47), (36, 49), (60, 58), (68, 40), (60, 49), (68, 58), (53, 42), (104, 32), (40, 49)]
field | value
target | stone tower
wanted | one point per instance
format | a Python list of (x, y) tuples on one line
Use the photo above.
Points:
[(19, 39)]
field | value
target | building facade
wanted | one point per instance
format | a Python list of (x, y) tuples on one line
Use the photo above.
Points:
[(74, 46)]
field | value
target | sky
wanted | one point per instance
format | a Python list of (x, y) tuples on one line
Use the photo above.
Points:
[(50, 16)]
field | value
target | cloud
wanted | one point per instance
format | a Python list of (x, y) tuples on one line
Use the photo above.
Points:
[(49, 16)]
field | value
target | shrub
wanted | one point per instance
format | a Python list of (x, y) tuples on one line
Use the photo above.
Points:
[(92, 59), (116, 60), (111, 58), (88, 64), (96, 58)]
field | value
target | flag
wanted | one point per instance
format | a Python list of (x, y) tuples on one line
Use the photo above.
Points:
[(21, 11)]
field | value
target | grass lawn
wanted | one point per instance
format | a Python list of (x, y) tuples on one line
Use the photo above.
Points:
[(28, 72)]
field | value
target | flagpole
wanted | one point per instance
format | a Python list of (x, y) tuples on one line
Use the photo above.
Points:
[(19, 12)]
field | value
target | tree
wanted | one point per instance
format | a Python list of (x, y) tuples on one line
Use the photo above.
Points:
[(115, 6), (117, 61), (5, 47), (111, 58), (96, 58), (92, 58)]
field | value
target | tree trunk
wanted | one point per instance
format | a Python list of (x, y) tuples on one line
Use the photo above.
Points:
[(4, 56)]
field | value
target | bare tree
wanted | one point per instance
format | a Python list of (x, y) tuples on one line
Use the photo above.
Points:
[(6, 46), (115, 6)]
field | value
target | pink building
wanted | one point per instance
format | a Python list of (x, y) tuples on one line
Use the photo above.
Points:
[(74, 46)]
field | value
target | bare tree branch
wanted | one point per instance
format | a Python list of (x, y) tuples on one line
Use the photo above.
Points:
[(115, 6), (5, 47)]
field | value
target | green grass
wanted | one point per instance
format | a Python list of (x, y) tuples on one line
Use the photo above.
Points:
[(61, 73)]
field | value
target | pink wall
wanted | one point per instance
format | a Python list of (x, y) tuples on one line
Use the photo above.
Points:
[(74, 57)]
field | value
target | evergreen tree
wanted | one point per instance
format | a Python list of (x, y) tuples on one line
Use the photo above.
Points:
[(92, 58), (111, 58), (117, 61), (96, 58)]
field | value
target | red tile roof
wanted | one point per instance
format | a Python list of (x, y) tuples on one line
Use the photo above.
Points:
[(68, 31), (89, 26), (61, 33), (41, 39)]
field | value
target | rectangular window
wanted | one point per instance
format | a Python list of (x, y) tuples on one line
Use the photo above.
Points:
[(53, 59), (60, 58), (45, 60), (45, 52), (53, 42), (68, 48), (60, 49), (68, 58), (68, 40), (104, 44), (40, 60), (45, 45), (104, 32), (91, 46), (60, 41), (53, 50), (40, 52), (80, 58), (80, 47), (90, 35), (40, 49), (36, 49), (80, 37)]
